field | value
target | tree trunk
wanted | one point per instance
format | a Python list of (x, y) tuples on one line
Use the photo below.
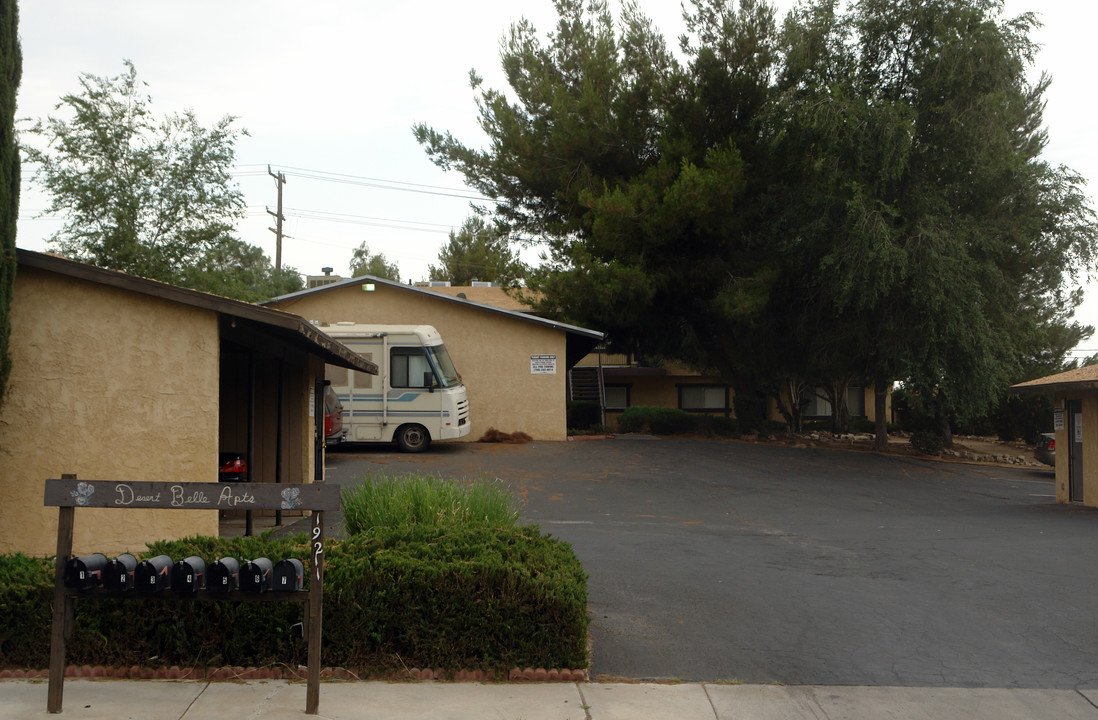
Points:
[(942, 421), (880, 397)]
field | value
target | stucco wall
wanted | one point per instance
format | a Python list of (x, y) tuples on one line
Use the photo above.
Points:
[(1090, 449), (491, 351), (109, 385)]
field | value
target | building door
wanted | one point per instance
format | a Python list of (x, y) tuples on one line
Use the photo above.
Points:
[(1075, 450)]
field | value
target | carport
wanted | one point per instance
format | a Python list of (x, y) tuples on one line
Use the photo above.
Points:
[(117, 377), (267, 365), (1075, 422)]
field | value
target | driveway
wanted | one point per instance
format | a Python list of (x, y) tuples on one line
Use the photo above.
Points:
[(729, 561)]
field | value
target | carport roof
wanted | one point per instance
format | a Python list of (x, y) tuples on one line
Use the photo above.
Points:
[(1084, 378), (288, 327)]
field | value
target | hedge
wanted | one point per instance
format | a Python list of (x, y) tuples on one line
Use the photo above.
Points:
[(441, 597), (671, 421)]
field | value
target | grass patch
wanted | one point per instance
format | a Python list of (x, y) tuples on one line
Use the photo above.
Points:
[(386, 503)]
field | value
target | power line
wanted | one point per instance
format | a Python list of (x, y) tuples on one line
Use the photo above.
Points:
[(376, 183)]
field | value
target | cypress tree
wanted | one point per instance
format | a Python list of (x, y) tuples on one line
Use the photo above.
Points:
[(11, 69)]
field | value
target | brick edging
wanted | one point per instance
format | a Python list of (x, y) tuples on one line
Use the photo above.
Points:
[(174, 672)]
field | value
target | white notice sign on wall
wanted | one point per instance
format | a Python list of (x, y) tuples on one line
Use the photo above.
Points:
[(543, 364)]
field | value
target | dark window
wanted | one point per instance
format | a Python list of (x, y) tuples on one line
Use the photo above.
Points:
[(703, 398), (617, 397), (409, 368)]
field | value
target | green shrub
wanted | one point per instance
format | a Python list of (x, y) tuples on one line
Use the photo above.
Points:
[(26, 598), (456, 597), (444, 596), (657, 420), (583, 415), (750, 410), (718, 425), (927, 443), (394, 502)]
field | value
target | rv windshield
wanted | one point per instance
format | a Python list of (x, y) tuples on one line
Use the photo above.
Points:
[(444, 366)]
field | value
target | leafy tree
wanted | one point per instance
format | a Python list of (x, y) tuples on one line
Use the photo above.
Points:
[(478, 252), (945, 246), (855, 196), (11, 69), (149, 197), (235, 269), (631, 169), (365, 263)]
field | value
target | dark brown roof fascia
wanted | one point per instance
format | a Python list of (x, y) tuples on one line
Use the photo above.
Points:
[(322, 345)]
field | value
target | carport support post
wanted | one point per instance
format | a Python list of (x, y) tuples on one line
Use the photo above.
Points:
[(62, 607)]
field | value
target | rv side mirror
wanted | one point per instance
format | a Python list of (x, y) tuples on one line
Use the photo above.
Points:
[(429, 381)]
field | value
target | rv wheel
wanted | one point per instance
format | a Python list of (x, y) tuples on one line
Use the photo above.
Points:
[(413, 438)]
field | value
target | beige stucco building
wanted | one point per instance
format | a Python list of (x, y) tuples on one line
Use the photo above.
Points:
[(1076, 428), (514, 365), (115, 377), (619, 381)]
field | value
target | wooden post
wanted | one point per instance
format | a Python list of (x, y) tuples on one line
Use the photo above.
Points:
[(62, 607), (314, 611)]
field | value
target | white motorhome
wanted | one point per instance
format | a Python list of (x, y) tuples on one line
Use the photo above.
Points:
[(417, 395)]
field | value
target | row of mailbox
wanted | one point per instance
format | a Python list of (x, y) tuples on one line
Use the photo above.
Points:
[(158, 574)]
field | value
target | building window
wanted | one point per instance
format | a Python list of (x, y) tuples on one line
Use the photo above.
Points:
[(617, 397), (855, 401), (408, 368), (703, 398)]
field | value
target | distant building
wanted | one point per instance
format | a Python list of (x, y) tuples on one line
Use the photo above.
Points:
[(315, 281)]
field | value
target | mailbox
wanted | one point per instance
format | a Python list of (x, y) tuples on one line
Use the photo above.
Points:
[(289, 575), (188, 574), (85, 572), (119, 573), (153, 575), (255, 576), (223, 575)]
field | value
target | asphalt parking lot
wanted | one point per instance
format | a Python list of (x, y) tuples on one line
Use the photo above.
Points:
[(735, 562)]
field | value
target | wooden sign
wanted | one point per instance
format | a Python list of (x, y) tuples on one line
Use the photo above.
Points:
[(191, 495)]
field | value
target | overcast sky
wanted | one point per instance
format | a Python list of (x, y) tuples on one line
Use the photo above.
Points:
[(329, 91)]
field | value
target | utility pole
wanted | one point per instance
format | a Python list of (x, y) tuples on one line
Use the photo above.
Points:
[(280, 180)]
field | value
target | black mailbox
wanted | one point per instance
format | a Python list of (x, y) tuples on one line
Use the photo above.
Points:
[(289, 575), (223, 575), (119, 573), (85, 572), (255, 576), (153, 575), (188, 574)]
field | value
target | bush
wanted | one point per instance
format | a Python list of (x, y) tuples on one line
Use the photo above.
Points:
[(583, 415), (443, 596), (423, 500), (717, 425), (26, 599), (750, 411), (657, 420), (927, 443)]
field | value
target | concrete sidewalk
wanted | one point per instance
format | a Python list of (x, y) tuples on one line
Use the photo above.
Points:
[(282, 699)]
